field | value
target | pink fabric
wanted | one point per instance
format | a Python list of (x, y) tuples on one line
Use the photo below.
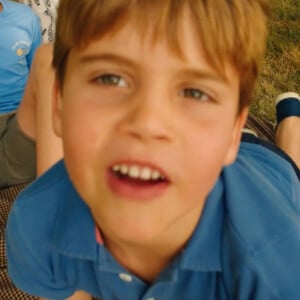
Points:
[(99, 238)]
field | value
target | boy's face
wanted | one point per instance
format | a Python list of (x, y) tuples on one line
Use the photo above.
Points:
[(146, 133)]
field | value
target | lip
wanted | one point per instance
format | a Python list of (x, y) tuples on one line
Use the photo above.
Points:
[(134, 189)]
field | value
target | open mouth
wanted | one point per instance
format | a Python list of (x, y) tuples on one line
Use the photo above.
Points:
[(137, 173), (134, 181)]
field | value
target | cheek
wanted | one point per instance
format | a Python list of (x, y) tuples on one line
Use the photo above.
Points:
[(204, 175), (81, 155), (204, 160), (81, 124), (79, 143)]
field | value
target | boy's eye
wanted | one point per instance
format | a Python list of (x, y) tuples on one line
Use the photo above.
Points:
[(112, 79), (195, 94)]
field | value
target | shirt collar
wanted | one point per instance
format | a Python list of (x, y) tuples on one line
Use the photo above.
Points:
[(203, 252), (74, 232)]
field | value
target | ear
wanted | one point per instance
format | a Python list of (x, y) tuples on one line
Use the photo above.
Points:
[(57, 109), (236, 136)]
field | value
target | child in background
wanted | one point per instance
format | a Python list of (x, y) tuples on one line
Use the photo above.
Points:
[(28, 145), (20, 36), (155, 197)]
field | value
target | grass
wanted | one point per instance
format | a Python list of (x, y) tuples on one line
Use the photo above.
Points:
[(281, 70)]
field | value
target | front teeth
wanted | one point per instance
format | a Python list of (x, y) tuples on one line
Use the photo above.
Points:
[(137, 172)]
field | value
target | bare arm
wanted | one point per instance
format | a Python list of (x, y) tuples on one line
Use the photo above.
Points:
[(48, 145), (35, 111)]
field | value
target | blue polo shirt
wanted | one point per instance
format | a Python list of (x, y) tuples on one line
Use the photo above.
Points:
[(245, 246), (20, 35)]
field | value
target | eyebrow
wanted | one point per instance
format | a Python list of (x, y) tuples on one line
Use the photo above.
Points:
[(206, 73), (91, 58)]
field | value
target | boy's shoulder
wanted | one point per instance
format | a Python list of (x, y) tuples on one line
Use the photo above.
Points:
[(49, 230), (42, 211), (258, 166), (52, 184), (41, 200), (262, 191), (261, 240)]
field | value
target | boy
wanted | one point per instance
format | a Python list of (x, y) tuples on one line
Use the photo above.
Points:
[(20, 35), (28, 145), (151, 200)]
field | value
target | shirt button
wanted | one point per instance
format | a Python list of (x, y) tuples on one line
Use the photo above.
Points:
[(125, 277)]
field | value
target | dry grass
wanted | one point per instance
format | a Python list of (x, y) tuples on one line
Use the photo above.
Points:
[(281, 71)]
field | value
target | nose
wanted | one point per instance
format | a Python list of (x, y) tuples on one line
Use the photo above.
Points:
[(149, 117)]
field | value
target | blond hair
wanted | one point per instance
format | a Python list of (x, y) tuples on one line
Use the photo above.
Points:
[(233, 30)]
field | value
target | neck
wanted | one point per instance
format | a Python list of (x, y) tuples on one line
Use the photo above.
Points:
[(148, 260), (144, 263)]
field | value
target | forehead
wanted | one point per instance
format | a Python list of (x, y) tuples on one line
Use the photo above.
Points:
[(149, 36), (148, 60), (136, 43)]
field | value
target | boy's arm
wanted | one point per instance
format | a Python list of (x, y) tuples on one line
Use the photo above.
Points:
[(29, 262)]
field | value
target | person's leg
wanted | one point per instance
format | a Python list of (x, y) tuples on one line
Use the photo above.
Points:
[(288, 128), (287, 132), (35, 112)]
